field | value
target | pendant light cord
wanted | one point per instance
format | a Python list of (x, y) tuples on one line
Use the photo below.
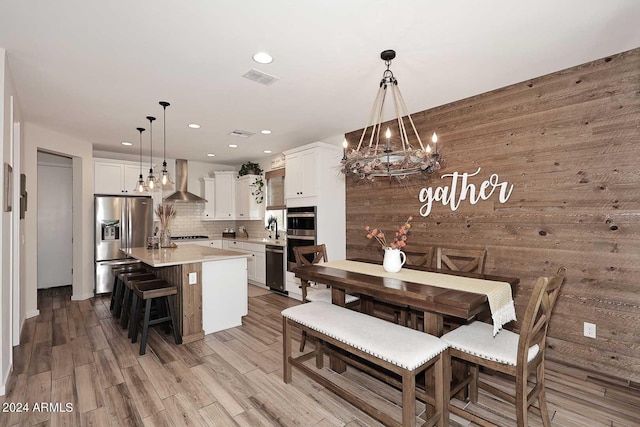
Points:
[(164, 104), (151, 119), (140, 130)]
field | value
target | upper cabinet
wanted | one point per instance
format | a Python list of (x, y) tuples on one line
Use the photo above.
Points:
[(313, 177), (231, 198), (112, 177), (224, 197), (209, 194), (247, 206), (301, 179)]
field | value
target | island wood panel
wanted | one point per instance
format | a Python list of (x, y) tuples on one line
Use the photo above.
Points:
[(569, 142), (189, 306)]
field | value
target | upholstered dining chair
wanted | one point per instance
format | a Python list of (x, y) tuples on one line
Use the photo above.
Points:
[(517, 355), (314, 254)]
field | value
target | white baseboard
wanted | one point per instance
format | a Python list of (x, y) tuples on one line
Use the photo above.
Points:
[(32, 313), (5, 381), (81, 297)]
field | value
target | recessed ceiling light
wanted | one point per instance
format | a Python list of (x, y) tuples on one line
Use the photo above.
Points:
[(194, 126), (265, 131), (267, 151), (233, 146), (126, 143), (263, 58), (211, 155)]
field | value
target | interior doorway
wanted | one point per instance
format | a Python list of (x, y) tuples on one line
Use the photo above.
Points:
[(55, 220)]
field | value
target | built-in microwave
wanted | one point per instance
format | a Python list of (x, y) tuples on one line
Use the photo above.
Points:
[(301, 231)]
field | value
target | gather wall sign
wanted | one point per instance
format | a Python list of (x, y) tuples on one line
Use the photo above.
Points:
[(461, 189)]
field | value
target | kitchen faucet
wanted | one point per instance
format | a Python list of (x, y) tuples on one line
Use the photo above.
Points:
[(276, 223)]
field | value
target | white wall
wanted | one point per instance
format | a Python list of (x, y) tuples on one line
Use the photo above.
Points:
[(36, 138)]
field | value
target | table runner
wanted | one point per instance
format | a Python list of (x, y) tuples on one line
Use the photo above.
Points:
[(498, 293)]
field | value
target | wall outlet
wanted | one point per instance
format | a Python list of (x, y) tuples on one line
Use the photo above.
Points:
[(589, 330), (193, 279)]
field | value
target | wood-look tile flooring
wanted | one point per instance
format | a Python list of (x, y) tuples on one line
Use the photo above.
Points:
[(74, 352)]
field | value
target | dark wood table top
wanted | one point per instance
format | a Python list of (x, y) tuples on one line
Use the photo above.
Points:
[(433, 299)]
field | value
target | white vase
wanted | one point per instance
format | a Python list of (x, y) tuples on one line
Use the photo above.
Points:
[(393, 261)]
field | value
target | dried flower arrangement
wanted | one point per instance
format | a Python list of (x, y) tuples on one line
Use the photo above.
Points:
[(399, 239), (165, 212)]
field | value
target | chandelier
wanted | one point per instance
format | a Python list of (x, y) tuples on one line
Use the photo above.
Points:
[(371, 159)]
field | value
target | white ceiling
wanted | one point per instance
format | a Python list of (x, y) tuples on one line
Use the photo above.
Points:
[(94, 69)]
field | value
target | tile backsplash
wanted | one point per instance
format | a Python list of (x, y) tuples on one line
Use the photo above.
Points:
[(188, 222)]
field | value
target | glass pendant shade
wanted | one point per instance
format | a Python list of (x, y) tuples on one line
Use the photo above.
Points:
[(151, 178), (166, 178)]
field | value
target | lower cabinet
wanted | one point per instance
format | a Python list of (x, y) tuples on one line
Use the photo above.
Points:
[(256, 264)]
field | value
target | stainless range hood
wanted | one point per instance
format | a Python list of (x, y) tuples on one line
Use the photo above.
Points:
[(182, 195)]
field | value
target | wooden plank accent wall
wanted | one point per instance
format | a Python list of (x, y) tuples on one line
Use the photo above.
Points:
[(189, 301), (569, 142)]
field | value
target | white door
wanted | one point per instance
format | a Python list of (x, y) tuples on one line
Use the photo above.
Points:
[(55, 254)]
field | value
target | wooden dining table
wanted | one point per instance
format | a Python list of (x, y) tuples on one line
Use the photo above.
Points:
[(435, 302)]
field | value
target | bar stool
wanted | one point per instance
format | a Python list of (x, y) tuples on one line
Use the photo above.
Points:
[(116, 293), (126, 279), (147, 292)]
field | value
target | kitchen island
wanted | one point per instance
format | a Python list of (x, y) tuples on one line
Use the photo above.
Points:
[(212, 285)]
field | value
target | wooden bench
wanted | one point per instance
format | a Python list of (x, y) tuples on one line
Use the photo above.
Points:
[(403, 351)]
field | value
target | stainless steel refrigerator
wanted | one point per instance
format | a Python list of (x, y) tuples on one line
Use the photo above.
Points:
[(120, 222)]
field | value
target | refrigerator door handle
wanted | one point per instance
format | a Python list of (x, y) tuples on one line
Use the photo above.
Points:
[(124, 225)]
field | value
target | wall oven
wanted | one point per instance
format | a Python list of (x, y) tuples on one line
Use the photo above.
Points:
[(301, 231)]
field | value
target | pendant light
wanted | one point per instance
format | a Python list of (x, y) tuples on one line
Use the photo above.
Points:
[(141, 186), (151, 179), (166, 179)]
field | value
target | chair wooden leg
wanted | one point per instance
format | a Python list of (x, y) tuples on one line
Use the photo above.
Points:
[(473, 385), (117, 303), (303, 341), (286, 351), (443, 387), (319, 353), (134, 317), (542, 396), (521, 400), (177, 334), (126, 306), (113, 293), (408, 399), (145, 327)]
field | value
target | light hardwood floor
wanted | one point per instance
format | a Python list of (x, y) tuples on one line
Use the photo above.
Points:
[(75, 353)]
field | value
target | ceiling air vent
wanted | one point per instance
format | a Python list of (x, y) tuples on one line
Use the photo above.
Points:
[(260, 77), (241, 133)]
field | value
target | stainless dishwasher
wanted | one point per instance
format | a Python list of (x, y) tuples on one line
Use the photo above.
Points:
[(275, 267)]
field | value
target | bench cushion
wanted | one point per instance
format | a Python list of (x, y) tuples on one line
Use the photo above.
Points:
[(403, 347), (477, 339), (324, 295)]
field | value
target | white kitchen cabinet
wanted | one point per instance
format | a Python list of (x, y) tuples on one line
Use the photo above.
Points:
[(209, 194), (112, 177), (256, 264), (246, 205), (301, 178), (217, 244), (261, 268), (328, 197), (224, 197)]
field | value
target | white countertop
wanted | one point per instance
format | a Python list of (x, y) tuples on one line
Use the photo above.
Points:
[(183, 254), (260, 240), (263, 240)]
